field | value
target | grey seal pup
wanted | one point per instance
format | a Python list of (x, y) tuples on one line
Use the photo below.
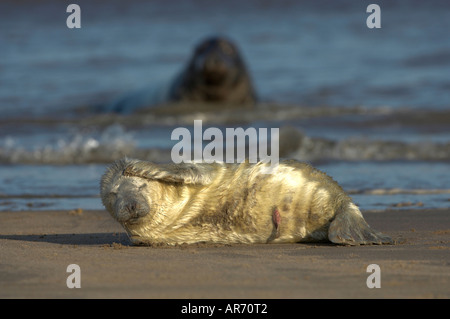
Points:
[(231, 203), (215, 73)]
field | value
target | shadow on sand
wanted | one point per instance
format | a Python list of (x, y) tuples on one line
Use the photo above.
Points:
[(120, 239), (74, 239)]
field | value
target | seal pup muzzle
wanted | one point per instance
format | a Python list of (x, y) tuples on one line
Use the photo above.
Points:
[(232, 203)]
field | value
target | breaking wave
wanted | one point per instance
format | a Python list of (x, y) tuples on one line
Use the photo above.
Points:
[(78, 149), (102, 138), (115, 143), (357, 149)]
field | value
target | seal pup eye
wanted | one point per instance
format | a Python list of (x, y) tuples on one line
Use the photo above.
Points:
[(142, 186)]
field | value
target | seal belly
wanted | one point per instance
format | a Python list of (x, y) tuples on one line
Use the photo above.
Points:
[(304, 206)]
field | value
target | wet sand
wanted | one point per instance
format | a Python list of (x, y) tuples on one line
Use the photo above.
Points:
[(36, 248)]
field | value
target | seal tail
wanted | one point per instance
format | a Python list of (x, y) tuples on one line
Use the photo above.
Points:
[(350, 228)]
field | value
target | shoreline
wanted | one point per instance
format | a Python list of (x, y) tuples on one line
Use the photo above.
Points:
[(37, 246)]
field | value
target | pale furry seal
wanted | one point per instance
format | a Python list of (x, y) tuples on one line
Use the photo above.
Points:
[(231, 203), (216, 73)]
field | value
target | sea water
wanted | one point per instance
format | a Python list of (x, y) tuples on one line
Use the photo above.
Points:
[(371, 107)]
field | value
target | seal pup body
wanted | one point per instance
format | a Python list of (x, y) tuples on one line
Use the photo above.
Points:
[(231, 203), (215, 73)]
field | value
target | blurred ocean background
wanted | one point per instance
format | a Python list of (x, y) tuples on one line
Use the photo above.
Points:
[(371, 107)]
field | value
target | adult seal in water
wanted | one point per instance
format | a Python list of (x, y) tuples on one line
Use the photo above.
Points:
[(216, 73), (232, 203)]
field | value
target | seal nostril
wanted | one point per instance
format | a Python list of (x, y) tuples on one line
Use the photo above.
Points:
[(131, 207)]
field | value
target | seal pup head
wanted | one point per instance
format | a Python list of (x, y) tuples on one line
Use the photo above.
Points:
[(125, 197), (216, 72), (131, 190)]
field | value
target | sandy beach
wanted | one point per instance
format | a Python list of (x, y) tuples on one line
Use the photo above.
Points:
[(361, 93), (37, 246)]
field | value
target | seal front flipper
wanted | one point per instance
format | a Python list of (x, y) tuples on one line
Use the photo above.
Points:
[(186, 173), (350, 228)]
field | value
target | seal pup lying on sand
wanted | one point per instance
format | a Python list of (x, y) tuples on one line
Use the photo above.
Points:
[(232, 203), (215, 73)]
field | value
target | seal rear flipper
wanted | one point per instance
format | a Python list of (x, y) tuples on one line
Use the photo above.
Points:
[(350, 228)]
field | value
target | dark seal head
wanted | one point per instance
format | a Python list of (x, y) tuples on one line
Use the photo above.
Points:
[(216, 73)]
